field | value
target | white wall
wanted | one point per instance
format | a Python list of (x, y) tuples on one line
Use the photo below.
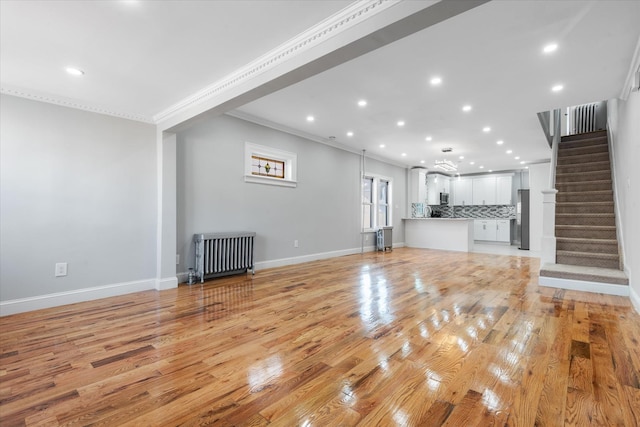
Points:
[(75, 187), (624, 117), (538, 181), (322, 212)]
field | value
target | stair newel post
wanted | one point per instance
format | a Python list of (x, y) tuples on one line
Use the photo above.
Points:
[(548, 249), (548, 253)]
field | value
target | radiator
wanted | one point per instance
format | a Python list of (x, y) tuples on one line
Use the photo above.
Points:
[(588, 118), (221, 254)]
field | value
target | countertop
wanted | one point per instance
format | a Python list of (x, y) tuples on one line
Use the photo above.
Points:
[(444, 218)]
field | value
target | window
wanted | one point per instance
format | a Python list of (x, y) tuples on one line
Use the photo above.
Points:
[(266, 165), (376, 202), (263, 166)]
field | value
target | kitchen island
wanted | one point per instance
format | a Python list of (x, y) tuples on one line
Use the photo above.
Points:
[(449, 234)]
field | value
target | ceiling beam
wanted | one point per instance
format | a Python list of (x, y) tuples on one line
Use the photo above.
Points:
[(400, 22)]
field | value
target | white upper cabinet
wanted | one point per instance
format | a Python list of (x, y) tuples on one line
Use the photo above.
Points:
[(437, 184), (503, 190), (462, 190), (418, 186), (484, 190)]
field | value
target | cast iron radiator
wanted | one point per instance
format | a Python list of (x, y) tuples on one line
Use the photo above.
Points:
[(221, 254), (588, 117)]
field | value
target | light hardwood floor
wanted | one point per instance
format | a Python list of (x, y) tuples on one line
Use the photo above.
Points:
[(411, 337)]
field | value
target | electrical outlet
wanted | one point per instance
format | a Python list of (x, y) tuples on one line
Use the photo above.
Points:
[(295, 243), (61, 269), (177, 259)]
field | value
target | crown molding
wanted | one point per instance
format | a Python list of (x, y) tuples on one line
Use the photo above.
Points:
[(326, 141), (35, 96), (341, 21)]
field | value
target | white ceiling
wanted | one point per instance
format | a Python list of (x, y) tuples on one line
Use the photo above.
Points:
[(143, 57), (140, 57)]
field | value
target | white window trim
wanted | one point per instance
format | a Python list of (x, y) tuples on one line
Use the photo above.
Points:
[(290, 165), (374, 197)]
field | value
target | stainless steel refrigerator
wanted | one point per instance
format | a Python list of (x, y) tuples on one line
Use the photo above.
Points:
[(522, 218)]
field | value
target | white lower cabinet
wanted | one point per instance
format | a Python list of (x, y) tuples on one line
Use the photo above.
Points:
[(492, 230), (485, 229), (503, 230)]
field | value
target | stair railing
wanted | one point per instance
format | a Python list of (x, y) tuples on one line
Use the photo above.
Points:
[(545, 119)]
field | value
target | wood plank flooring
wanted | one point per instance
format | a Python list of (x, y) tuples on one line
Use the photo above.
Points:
[(411, 337)]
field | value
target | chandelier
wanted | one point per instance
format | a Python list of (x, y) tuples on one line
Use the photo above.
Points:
[(446, 165)]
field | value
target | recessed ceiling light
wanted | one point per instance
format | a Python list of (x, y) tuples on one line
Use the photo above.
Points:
[(517, 157), (557, 88), (436, 81), (490, 170), (404, 154), (428, 138), (349, 133), (461, 157), (422, 161), (522, 162), (466, 108), (472, 163), (400, 123), (526, 167), (486, 129), (74, 71), (550, 48), (500, 142), (509, 151), (310, 118), (481, 167), (362, 103), (381, 145)]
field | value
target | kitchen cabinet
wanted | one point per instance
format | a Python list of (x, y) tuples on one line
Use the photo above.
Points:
[(503, 230), (437, 184), (418, 185), (485, 229), (462, 191), (504, 191), (484, 190)]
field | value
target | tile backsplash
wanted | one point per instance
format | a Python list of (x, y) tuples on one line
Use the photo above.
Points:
[(474, 211)]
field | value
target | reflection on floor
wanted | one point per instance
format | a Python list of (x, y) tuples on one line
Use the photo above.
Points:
[(409, 337), (502, 249)]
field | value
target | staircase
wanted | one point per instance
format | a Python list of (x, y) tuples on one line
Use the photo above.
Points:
[(586, 238)]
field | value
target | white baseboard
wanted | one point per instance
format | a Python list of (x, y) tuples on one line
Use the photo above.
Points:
[(315, 257), (308, 258), (70, 297), (166, 283), (635, 300), (585, 286)]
